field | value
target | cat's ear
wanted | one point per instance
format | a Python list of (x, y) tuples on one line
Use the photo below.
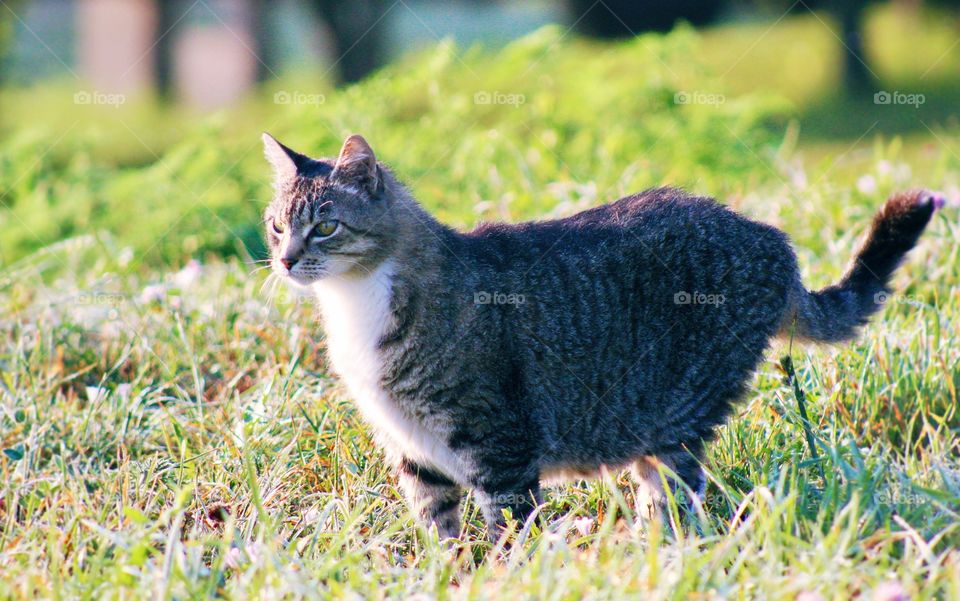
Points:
[(357, 165), (286, 163)]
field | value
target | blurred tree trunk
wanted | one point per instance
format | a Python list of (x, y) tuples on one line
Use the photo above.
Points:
[(167, 13), (112, 37), (857, 76), (170, 15), (213, 61), (358, 28), (624, 18), (267, 64)]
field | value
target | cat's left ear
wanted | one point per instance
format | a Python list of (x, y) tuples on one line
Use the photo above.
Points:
[(357, 165), (286, 163)]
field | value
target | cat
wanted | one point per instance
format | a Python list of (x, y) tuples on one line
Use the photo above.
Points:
[(516, 354)]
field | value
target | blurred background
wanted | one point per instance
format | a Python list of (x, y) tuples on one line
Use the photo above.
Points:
[(138, 119)]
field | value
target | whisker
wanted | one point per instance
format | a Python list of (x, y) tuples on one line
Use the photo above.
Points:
[(268, 281)]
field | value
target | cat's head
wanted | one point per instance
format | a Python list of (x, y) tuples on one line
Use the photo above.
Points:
[(328, 218)]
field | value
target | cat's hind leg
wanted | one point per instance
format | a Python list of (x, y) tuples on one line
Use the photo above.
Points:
[(684, 475)]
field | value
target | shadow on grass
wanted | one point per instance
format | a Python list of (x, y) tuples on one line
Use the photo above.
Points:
[(888, 110)]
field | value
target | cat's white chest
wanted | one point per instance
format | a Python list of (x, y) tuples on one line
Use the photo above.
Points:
[(356, 313)]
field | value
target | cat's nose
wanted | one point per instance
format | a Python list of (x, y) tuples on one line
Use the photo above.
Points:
[(288, 262)]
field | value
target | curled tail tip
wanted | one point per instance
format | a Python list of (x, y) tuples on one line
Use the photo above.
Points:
[(919, 197), (938, 200), (896, 228), (836, 313), (909, 211)]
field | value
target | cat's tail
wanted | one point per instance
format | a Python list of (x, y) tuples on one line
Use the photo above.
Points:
[(835, 313)]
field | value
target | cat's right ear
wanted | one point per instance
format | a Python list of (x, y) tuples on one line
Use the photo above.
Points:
[(286, 163)]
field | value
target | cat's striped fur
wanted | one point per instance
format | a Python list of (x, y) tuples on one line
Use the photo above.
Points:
[(502, 357)]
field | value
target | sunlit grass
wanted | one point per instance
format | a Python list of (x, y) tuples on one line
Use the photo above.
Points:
[(179, 433)]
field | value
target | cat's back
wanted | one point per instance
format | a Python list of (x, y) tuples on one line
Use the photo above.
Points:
[(665, 223), (665, 210), (648, 259), (651, 258)]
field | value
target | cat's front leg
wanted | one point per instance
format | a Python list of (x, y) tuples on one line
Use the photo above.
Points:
[(521, 497), (433, 498), (503, 470)]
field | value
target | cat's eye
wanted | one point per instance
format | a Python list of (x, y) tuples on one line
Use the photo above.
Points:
[(324, 229), (277, 227)]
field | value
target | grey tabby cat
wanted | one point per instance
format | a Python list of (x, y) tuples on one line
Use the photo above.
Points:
[(511, 355)]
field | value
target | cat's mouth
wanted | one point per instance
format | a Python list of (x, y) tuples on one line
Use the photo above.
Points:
[(302, 280), (298, 275), (308, 277)]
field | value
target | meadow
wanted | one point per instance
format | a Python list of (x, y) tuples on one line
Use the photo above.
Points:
[(169, 427)]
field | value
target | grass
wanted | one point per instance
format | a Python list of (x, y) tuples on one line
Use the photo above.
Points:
[(170, 430), (521, 154)]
